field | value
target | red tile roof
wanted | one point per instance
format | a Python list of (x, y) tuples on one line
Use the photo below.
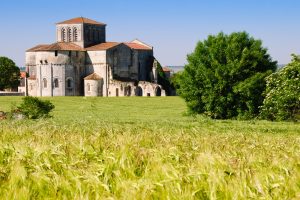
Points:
[(93, 76), (137, 46), (166, 69), (67, 46), (22, 74), (62, 46), (36, 48), (102, 46), (81, 20)]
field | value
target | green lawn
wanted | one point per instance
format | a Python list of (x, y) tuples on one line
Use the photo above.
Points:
[(145, 148)]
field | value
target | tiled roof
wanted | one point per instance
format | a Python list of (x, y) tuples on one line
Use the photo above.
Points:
[(23, 74), (166, 69), (59, 46), (36, 48), (81, 20), (137, 46), (102, 46), (93, 76), (67, 46)]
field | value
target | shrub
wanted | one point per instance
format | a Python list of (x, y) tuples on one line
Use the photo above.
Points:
[(34, 108), (282, 100)]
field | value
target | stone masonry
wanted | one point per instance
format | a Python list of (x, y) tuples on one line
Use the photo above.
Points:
[(82, 63)]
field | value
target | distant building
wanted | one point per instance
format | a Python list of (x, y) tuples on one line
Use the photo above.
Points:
[(82, 62), (175, 69), (167, 72), (22, 84)]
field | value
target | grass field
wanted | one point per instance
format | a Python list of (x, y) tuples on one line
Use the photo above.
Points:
[(145, 148)]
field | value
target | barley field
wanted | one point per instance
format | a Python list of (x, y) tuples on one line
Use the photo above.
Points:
[(144, 148)]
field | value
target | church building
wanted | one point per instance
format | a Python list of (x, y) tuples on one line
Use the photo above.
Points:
[(82, 63)]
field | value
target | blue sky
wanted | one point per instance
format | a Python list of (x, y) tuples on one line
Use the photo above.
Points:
[(172, 27)]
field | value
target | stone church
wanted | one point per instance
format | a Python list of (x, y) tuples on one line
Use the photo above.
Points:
[(82, 63)]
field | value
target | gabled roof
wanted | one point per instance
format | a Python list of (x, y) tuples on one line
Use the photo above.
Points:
[(137, 41), (93, 76), (166, 69), (36, 48), (102, 46), (58, 46), (81, 20), (68, 46), (23, 74), (137, 46)]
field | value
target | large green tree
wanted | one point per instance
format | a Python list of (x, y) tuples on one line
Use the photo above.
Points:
[(9, 74), (282, 100), (225, 76)]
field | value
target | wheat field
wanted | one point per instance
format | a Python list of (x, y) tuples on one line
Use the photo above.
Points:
[(145, 148)]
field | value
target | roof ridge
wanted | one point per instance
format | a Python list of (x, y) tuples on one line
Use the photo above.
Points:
[(62, 46), (93, 76), (81, 20)]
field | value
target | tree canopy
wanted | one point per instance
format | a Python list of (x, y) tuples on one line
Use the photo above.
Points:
[(225, 76), (282, 100), (9, 73)]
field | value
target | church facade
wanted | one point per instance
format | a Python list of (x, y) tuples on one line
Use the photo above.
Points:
[(82, 63)]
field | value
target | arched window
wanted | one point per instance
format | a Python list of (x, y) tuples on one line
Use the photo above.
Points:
[(45, 83), (69, 35), (139, 91), (127, 91), (88, 87), (69, 83), (75, 34), (63, 34), (158, 91), (56, 84)]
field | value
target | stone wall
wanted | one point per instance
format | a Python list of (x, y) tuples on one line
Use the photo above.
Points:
[(70, 33), (150, 89), (12, 93), (145, 59), (83, 35), (96, 63), (121, 89), (58, 74), (93, 88), (119, 59), (93, 34)]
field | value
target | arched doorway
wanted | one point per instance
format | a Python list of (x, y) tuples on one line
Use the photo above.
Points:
[(127, 91), (157, 91), (139, 91)]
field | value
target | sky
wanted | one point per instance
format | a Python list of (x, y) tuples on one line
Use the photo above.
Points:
[(172, 27)]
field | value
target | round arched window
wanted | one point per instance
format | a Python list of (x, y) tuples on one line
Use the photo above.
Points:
[(56, 84)]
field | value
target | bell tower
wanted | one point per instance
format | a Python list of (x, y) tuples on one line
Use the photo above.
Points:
[(81, 31)]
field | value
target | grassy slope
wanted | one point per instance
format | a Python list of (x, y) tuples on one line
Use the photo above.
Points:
[(145, 148)]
